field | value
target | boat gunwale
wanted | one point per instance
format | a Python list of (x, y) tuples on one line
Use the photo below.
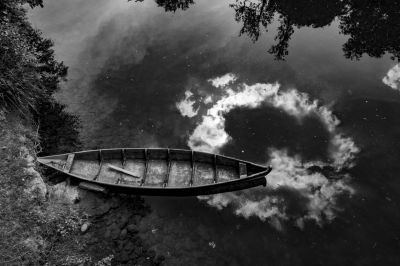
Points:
[(111, 149)]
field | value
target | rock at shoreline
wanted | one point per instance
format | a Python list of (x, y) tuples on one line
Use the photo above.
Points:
[(64, 193), (36, 185), (85, 227), (133, 228), (123, 233)]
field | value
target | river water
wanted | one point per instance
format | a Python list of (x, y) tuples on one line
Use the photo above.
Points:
[(309, 87)]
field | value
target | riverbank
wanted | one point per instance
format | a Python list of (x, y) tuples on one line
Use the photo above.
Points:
[(59, 224)]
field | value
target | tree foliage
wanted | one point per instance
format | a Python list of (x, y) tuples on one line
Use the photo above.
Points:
[(28, 69)]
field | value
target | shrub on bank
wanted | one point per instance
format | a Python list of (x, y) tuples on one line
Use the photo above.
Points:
[(28, 70), (58, 130)]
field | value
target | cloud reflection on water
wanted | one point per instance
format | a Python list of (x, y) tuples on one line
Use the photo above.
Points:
[(392, 78), (291, 178)]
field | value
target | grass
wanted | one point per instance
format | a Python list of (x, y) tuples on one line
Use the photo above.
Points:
[(16, 210), (33, 230), (19, 83)]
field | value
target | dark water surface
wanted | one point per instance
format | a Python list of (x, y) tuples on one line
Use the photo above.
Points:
[(141, 75)]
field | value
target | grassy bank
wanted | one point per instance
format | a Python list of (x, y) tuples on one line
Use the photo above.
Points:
[(33, 230), (59, 224)]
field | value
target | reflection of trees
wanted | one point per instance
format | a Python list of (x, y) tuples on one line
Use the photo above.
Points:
[(373, 26), (310, 13), (172, 5), (253, 15), (313, 13), (285, 31)]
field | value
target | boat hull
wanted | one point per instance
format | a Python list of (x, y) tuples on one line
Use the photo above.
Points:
[(184, 192), (159, 172)]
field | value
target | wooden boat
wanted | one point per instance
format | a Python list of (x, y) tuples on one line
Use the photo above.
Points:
[(168, 172)]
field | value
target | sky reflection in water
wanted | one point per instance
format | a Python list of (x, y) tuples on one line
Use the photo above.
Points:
[(132, 63)]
